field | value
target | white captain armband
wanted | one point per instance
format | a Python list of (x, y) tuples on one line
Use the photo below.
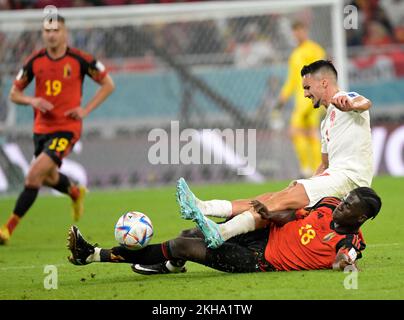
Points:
[(352, 254)]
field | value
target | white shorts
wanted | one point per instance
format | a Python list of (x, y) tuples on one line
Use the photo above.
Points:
[(329, 184)]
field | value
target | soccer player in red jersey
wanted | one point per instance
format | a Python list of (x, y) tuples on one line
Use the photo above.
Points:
[(59, 72), (326, 236)]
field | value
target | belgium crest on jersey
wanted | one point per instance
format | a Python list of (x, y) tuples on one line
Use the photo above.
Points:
[(67, 71)]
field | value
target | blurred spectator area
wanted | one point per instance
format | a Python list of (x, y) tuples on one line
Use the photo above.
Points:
[(248, 49), (38, 4), (376, 51)]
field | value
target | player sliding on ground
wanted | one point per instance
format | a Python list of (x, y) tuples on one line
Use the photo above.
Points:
[(327, 237), (347, 162)]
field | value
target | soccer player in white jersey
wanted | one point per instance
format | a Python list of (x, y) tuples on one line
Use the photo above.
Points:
[(346, 164), (346, 161)]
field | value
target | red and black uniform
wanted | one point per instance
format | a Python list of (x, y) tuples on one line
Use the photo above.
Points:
[(60, 82), (308, 243), (312, 242)]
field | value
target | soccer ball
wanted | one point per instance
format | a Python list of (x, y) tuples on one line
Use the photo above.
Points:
[(134, 230)]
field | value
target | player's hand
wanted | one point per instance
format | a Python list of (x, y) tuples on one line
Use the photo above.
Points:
[(261, 209), (41, 104), (76, 113), (342, 103), (342, 260)]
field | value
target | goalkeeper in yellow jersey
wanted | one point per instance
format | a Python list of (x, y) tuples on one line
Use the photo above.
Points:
[(305, 121)]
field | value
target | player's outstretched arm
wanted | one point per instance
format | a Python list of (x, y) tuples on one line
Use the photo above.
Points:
[(278, 217), (344, 103)]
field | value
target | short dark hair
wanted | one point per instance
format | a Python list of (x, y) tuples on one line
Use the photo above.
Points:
[(317, 66), (370, 200)]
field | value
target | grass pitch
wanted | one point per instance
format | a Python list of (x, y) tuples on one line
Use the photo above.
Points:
[(40, 240)]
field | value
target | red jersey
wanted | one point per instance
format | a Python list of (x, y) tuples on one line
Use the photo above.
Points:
[(60, 82), (310, 243)]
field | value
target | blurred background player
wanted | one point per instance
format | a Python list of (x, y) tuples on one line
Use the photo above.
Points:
[(304, 121), (59, 72)]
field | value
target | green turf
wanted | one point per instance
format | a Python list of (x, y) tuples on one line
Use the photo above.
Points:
[(40, 240)]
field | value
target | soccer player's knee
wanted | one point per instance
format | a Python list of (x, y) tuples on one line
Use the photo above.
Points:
[(33, 180)]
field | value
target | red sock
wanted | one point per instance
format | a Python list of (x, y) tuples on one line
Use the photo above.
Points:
[(12, 223), (74, 192)]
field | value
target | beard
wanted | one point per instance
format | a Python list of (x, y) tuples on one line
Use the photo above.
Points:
[(317, 104)]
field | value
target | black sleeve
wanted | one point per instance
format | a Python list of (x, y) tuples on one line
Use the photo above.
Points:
[(89, 65), (24, 76), (96, 70), (352, 241)]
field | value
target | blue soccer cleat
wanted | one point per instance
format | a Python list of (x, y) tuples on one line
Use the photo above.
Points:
[(186, 199), (209, 228)]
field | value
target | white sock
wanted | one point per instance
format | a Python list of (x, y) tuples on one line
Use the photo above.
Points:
[(95, 257), (215, 208), (239, 224), (172, 268)]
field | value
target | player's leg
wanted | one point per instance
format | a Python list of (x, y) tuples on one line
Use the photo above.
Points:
[(218, 208), (313, 134), (244, 253), (307, 192), (328, 184), (213, 208), (39, 170), (82, 252), (302, 193), (169, 266), (241, 254), (300, 143), (63, 184), (58, 146), (231, 257), (293, 197), (216, 234)]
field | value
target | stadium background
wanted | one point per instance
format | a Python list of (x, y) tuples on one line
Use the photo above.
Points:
[(192, 68), (205, 72)]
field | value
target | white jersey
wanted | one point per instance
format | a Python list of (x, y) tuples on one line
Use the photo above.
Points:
[(346, 138)]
